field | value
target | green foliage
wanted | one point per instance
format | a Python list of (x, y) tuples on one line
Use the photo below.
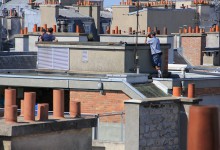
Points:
[(90, 37)]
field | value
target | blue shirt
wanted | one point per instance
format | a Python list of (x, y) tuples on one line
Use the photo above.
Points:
[(154, 45), (48, 37)]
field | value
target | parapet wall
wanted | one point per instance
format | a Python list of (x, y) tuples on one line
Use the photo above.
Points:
[(62, 134), (157, 123), (18, 60)]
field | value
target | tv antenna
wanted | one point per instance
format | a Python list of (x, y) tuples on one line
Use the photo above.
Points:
[(136, 57)]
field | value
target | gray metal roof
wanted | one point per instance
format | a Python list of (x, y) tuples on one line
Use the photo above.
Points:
[(150, 90), (71, 13), (106, 14), (18, 4)]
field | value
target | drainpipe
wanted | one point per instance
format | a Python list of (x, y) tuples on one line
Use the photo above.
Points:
[(183, 72)]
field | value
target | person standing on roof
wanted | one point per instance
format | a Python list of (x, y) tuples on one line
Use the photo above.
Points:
[(42, 34), (155, 51), (49, 36)]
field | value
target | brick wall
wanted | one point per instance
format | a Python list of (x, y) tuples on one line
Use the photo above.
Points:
[(193, 45), (207, 91), (95, 103)]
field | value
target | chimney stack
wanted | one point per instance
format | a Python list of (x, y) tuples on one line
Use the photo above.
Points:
[(29, 106), (177, 91), (58, 104), (203, 128)]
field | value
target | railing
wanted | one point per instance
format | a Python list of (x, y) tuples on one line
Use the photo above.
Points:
[(107, 130)]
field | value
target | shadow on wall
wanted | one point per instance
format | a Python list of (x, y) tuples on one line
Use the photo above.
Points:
[(183, 126)]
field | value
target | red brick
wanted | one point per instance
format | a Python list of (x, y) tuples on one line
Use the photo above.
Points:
[(192, 48), (95, 103)]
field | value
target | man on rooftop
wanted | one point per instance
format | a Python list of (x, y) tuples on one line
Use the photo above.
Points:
[(155, 51), (49, 36)]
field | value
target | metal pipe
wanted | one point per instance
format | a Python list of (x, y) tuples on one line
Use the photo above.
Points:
[(122, 128), (96, 129)]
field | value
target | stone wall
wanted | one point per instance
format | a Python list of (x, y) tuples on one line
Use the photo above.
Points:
[(152, 124), (159, 127)]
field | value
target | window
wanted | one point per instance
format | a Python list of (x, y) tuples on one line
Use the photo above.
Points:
[(70, 28), (87, 29)]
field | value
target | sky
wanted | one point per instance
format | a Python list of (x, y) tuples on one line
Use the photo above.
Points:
[(109, 3)]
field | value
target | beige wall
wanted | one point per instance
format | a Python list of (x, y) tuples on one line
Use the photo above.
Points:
[(49, 13), (186, 3), (109, 57), (122, 19), (94, 12), (160, 18), (115, 59), (212, 40), (96, 17), (164, 39), (21, 43), (28, 42), (32, 40), (108, 145), (85, 10), (64, 140), (98, 61)]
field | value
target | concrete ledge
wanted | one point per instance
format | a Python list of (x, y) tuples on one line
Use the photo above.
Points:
[(213, 33), (132, 35), (130, 78), (60, 34), (21, 35), (123, 6), (17, 53), (186, 100), (22, 128), (99, 45), (153, 100), (192, 34), (84, 45), (107, 145)]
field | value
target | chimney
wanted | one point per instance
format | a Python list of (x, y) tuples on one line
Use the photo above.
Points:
[(51, 11), (58, 103), (10, 99), (193, 46), (203, 128), (29, 103), (35, 28), (92, 11), (75, 109), (191, 90), (11, 116), (130, 30), (177, 91)]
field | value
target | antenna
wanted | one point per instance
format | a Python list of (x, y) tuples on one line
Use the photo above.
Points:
[(136, 57)]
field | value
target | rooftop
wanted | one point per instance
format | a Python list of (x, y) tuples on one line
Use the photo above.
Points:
[(71, 13), (24, 128)]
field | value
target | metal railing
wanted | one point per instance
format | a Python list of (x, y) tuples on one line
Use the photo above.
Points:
[(97, 131)]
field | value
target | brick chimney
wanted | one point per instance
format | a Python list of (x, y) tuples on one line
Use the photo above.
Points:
[(193, 44)]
